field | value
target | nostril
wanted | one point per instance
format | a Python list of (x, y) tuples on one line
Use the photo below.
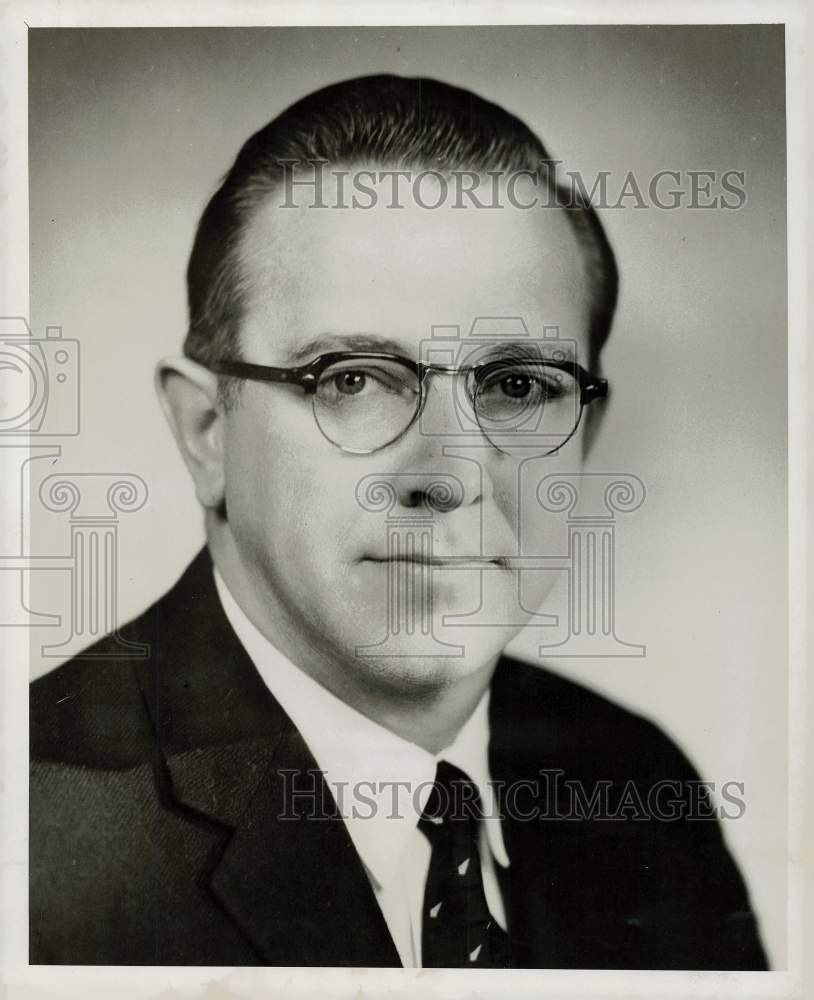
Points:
[(437, 496), (415, 498)]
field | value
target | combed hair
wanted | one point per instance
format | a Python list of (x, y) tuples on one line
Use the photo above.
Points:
[(397, 122)]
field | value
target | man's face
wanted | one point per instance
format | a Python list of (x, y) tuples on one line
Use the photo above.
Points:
[(318, 549)]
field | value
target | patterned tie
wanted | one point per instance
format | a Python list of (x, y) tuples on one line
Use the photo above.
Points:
[(458, 931)]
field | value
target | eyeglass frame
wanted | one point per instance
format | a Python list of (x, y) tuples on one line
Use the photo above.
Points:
[(306, 377)]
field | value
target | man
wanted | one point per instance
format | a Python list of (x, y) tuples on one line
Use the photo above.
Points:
[(323, 761)]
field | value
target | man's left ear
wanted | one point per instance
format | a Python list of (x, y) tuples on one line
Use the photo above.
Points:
[(188, 393)]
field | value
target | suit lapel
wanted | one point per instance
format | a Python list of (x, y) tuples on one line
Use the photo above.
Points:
[(228, 758), (291, 877)]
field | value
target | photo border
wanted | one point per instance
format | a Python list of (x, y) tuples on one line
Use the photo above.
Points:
[(24, 981)]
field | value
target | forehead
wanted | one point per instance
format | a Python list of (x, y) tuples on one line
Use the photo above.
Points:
[(397, 272)]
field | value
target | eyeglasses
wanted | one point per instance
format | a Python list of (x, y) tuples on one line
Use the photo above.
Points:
[(364, 401)]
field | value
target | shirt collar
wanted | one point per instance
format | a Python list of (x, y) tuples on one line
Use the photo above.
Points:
[(381, 781)]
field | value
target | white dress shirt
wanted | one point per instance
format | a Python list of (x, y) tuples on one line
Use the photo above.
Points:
[(362, 764)]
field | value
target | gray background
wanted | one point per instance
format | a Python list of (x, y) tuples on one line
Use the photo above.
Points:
[(130, 130)]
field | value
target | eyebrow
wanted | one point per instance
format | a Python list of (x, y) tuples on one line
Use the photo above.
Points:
[(350, 342)]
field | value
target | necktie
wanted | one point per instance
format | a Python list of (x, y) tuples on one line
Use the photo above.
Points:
[(457, 928)]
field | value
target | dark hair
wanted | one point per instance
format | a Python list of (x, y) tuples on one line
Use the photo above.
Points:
[(390, 120)]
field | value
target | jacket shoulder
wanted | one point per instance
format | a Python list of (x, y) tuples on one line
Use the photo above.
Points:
[(554, 718), (100, 709), (90, 711)]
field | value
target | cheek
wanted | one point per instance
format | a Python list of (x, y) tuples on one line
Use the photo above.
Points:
[(287, 494), (543, 531), (261, 476)]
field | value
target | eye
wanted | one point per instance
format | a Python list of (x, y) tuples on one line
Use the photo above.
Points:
[(516, 385), (349, 382), (506, 383), (507, 388)]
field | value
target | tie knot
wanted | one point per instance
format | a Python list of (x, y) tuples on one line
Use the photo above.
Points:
[(454, 800)]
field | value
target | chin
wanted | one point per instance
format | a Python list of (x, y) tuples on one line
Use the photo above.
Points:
[(439, 657), (416, 639), (410, 599), (413, 673)]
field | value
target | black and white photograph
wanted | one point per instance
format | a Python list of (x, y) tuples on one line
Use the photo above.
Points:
[(402, 437)]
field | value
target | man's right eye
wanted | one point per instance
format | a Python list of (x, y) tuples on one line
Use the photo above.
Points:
[(369, 380)]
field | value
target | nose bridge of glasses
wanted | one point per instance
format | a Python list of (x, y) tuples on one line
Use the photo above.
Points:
[(448, 395)]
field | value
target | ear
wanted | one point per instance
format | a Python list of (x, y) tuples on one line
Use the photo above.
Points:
[(188, 393)]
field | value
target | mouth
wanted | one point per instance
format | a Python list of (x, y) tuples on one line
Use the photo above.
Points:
[(448, 562)]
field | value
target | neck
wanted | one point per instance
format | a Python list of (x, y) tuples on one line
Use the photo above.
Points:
[(433, 720), (429, 713)]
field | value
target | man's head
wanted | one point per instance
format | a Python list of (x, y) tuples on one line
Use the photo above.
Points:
[(386, 121), (289, 514)]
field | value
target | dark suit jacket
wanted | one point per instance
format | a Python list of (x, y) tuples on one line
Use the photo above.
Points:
[(156, 838)]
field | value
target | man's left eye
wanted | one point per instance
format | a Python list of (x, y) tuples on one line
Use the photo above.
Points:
[(517, 386), (350, 383)]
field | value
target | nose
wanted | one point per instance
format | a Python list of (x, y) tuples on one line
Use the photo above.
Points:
[(441, 467)]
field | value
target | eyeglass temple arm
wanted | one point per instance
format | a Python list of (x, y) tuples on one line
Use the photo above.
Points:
[(266, 373)]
